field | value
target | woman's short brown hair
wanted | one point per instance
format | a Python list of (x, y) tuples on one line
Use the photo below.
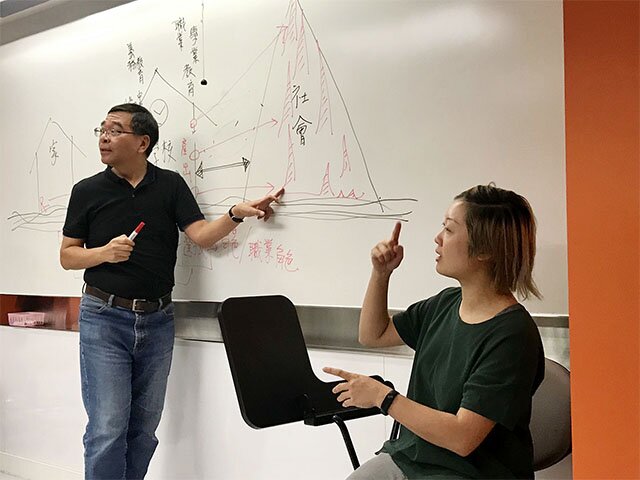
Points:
[(501, 225)]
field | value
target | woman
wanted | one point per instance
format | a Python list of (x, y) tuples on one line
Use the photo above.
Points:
[(478, 354)]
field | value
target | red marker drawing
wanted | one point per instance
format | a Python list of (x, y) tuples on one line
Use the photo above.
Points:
[(135, 233)]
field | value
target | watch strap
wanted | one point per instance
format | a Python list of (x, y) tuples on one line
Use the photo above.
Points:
[(233, 217), (387, 401)]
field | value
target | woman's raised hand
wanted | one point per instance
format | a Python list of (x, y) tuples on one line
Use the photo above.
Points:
[(387, 255)]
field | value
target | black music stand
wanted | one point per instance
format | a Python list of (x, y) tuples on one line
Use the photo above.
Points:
[(271, 371)]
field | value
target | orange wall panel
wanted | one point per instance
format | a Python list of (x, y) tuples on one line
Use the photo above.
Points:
[(602, 85)]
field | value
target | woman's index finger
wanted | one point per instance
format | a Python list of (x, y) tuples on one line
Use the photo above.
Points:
[(395, 236)]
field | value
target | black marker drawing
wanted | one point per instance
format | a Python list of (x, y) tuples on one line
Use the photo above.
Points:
[(53, 158)]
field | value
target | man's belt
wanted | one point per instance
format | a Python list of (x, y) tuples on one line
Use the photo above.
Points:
[(138, 305)]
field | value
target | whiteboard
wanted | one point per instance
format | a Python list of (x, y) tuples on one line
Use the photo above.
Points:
[(367, 112)]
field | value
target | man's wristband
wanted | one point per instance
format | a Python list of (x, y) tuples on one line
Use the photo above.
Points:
[(233, 217), (388, 400)]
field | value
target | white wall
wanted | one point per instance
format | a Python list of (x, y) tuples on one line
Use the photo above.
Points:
[(202, 434)]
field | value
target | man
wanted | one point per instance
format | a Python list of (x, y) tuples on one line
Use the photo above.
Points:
[(126, 314)]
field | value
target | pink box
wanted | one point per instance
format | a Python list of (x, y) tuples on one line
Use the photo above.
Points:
[(26, 319)]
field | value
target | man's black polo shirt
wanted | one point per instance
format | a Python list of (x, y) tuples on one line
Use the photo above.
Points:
[(105, 206)]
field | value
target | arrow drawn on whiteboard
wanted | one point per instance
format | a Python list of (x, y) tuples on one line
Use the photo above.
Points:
[(243, 163)]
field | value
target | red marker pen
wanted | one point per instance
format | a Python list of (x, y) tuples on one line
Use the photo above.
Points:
[(135, 233)]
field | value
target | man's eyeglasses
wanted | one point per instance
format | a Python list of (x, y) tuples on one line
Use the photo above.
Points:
[(111, 132)]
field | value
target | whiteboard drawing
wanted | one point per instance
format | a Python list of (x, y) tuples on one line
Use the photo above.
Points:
[(282, 122), (366, 116), (52, 159)]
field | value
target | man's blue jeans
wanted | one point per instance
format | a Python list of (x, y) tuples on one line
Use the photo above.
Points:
[(125, 359)]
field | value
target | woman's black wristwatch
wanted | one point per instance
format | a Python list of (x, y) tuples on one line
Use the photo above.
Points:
[(388, 400)]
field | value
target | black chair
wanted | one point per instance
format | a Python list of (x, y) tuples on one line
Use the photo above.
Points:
[(551, 417), (271, 371)]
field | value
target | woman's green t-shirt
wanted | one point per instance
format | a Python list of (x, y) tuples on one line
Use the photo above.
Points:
[(491, 368)]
